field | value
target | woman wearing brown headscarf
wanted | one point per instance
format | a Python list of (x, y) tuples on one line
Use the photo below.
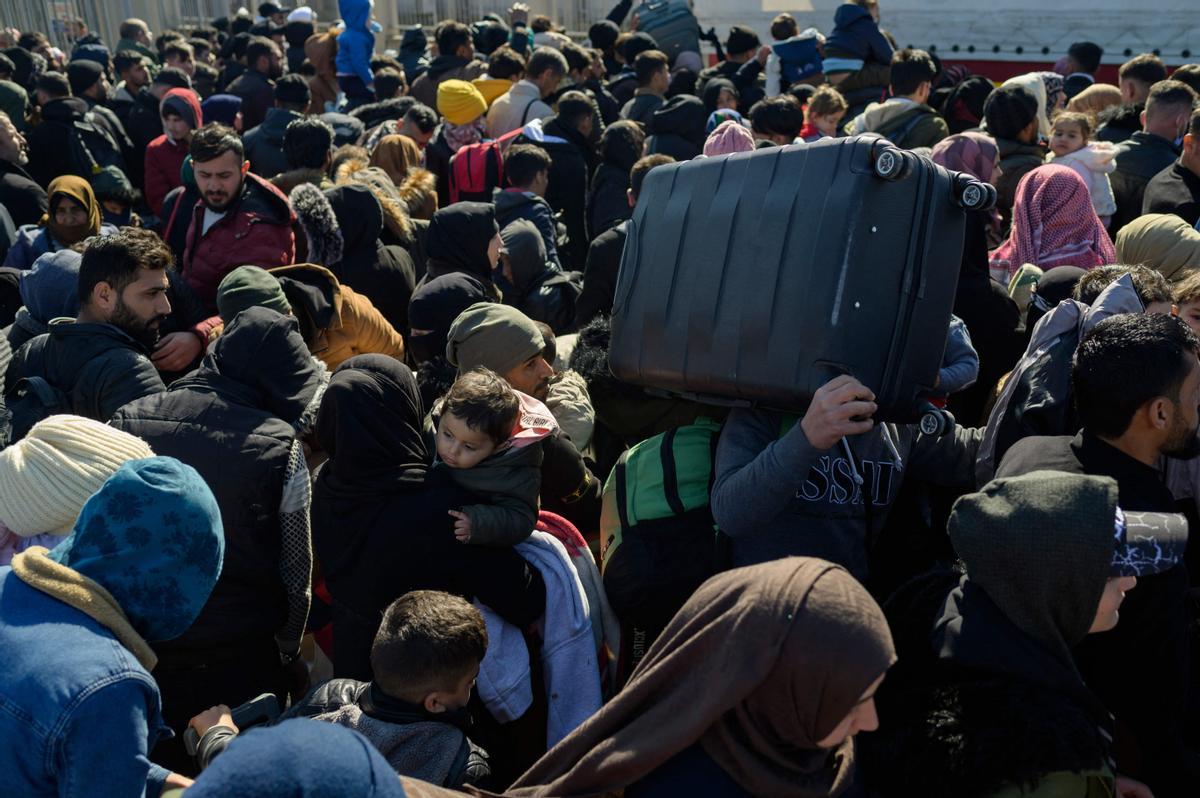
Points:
[(74, 215), (400, 157), (756, 687)]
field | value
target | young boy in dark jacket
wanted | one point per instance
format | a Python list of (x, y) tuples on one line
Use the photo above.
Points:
[(425, 658), (527, 170)]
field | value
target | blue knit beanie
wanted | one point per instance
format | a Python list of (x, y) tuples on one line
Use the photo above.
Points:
[(151, 536), (51, 288)]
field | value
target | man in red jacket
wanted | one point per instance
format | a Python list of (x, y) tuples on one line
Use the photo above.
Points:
[(240, 220)]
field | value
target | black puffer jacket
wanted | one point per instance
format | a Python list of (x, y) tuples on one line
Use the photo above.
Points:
[(234, 420), (98, 366)]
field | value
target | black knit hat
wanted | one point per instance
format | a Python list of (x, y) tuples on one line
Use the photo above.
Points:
[(82, 75), (1009, 110), (603, 34), (174, 77), (741, 39), (639, 42), (292, 89)]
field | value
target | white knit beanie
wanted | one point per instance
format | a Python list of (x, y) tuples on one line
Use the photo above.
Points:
[(46, 477)]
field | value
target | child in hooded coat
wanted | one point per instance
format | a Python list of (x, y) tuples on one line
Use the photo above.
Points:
[(1093, 160), (355, 46), (489, 436)]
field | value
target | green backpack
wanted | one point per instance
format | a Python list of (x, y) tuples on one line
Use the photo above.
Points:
[(658, 540)]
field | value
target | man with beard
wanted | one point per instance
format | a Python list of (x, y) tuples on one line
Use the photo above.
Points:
[(24, 199), (256, 86), (95, 364), (241, 219), (1136, 381)]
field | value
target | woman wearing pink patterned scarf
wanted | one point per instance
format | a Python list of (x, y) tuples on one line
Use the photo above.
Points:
[(1054, 224), (976, 154)]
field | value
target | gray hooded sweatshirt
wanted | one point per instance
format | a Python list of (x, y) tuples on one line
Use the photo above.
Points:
[(776, 495)]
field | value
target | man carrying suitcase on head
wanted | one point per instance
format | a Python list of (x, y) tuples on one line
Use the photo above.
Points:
[(822, 485)]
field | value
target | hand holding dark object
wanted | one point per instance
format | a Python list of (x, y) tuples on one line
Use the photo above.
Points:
[(297, 678), (709, 35), (176, 351), (840, 408), (220, 715)]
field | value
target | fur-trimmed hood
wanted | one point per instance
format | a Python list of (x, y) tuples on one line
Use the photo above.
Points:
[(395, 214), (419, 193), (326, 244)]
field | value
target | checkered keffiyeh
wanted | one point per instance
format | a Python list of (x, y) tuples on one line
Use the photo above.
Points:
[(1053, 224)]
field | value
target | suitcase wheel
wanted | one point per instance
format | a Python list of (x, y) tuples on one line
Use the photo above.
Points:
[(936, 421), (976, 196), (892, 164)]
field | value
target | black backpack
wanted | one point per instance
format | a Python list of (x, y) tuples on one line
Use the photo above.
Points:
[(31, 400), (90, 149)]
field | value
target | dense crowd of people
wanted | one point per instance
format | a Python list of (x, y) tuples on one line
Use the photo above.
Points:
[(315, 478)]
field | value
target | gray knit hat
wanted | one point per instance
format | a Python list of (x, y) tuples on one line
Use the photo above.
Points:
[(248, 287), (497, 337)]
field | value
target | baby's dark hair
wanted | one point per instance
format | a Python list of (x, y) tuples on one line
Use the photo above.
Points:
[(483, 401), (428, 641), (550, 352), (1086, 126)]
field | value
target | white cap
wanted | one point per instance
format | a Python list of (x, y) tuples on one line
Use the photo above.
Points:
[(302, 14)]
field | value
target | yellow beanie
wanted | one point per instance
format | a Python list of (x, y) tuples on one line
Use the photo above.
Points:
[(492, 88), (460, 102), (46, 477)]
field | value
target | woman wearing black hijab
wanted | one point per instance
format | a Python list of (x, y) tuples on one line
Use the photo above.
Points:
[(380, 515), (464, 237), (385, 274), (433, 308), (987, 699)]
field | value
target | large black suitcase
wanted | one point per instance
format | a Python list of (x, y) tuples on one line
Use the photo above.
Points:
[(754, 278)]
